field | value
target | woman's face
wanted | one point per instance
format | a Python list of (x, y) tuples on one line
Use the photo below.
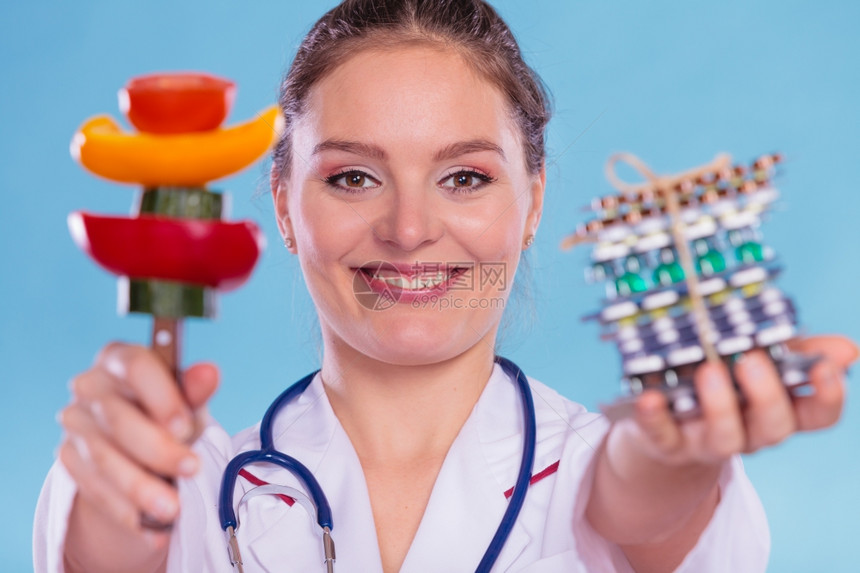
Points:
[(408, 203)]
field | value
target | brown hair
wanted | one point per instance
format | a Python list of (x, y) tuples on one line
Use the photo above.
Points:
[(471, 27)]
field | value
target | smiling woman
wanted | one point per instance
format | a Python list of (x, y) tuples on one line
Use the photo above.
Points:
[(454, 187), (411, 165)]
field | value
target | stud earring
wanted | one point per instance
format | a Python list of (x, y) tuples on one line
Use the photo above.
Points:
[(288, 242), (530, 239)]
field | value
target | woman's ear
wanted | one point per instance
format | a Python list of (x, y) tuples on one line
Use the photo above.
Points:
[(282, 214), (538, 186)]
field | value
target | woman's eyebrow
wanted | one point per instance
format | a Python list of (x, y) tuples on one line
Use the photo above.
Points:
[(451, 151), (353, 147), (472, 146)]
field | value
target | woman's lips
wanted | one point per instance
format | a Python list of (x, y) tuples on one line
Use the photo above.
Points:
[(406, 282)]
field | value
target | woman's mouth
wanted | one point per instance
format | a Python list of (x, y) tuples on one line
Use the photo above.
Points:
[(418, 278), (418, 282)]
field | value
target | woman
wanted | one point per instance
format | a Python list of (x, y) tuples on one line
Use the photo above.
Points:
[(415, 136)]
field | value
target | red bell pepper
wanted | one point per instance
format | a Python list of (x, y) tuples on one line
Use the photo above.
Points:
[(193, 251)]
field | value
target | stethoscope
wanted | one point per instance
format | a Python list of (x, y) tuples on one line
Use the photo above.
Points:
[(268, 453)]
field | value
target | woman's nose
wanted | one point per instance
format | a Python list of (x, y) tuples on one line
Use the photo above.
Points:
[(411, 220)]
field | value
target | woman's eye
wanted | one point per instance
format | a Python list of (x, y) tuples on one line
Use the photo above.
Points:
[(352, 180), (465, 181)]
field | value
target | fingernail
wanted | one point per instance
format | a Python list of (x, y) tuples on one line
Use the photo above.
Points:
[(164, 507), (649, 411), (829, 376), (753, 367), (153, 539), (713, 378), (180, 427), (649, 408), (188, 465)]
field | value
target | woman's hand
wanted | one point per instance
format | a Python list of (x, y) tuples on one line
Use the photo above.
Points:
[(128, 427), (655, 486), (769, 416)]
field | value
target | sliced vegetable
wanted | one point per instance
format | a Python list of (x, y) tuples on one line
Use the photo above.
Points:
[(194, 251), (183, 202), (177, 102), (187, 159), (167, 299)]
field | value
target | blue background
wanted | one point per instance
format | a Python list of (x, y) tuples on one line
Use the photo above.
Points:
[(675, 82)]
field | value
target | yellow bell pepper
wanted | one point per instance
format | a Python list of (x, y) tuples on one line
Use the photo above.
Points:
[(187, 159)]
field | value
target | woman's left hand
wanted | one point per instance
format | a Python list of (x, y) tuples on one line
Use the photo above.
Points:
[(769, 416), (655, 485)]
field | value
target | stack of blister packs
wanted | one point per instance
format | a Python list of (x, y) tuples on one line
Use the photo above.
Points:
[(648, 309)]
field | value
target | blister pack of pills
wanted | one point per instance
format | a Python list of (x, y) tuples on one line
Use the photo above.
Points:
[(689, 277)]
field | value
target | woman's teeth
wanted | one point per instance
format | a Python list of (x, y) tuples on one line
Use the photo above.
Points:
[(415, 283)]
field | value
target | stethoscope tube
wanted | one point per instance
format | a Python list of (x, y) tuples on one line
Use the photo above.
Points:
[(521, 487), (268, 454), (292, 465)]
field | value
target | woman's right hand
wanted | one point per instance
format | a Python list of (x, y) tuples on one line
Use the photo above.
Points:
[(127, 428)]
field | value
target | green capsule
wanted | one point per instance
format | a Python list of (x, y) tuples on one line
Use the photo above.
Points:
[(668, 273), (602, 271), (750, 252), (711, 263), (630, 283)]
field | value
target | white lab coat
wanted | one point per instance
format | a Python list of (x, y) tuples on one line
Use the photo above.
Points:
[(465, 507)]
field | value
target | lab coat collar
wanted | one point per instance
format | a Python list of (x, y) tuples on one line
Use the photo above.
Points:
[(468, 500)]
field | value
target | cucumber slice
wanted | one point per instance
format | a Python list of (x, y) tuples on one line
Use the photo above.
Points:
[(167, 299), (181, 202), (170, 299)]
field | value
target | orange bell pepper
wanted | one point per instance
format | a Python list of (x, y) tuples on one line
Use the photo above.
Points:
[(187, 159)]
